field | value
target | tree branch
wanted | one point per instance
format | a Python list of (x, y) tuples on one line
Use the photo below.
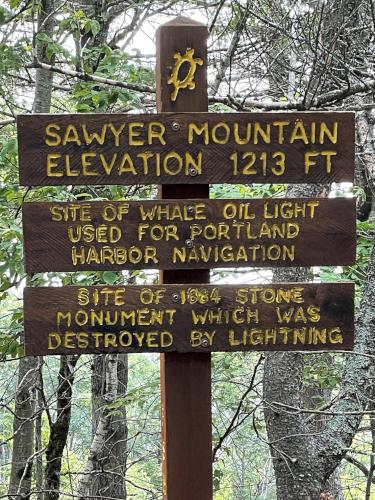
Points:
[(232, 425), (138, 87), (232, 102), (359, 466)]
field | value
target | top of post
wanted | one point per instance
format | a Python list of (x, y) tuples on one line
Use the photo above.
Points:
[(181, 66), (181, 21)]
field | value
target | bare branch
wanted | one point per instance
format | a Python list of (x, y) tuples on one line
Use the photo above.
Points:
[(92, 78)]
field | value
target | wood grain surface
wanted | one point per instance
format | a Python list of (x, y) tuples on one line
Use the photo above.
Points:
[(183, 318), (188, 234), (309, 147), (185, 379)]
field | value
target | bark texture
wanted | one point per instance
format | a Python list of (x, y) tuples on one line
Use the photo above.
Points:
[(25, 404), (44, 78), (304, 456), (59, 429), (39, 476), (365, 163), (104, 473), (307, 450), (23, 431)]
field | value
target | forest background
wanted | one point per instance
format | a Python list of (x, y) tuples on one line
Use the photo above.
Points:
[(285, 425)]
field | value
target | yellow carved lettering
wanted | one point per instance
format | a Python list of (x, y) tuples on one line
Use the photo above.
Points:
[(298, 133), (71, 135), (220, 133), (195, 129), (324, 132), (134, 134), (309, 160), (54, 340), (52, 164), (116, 132), (86, 163), (156, 130), (50, 133)]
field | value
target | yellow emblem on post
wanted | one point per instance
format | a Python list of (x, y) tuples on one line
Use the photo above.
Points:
[(187, 82)]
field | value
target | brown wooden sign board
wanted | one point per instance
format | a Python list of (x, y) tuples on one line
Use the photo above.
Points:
[(189, 318), (186, 148), (188, 234)]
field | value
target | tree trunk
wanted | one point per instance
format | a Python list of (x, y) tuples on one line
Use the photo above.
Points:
[(23, 431), (44, 78), (111, 459), (104, 474), (299, 460), (365, 164), (304, 459), (23, 424), (60, 428), (291, 444), (291, 438), (97, 390), (38, 438)]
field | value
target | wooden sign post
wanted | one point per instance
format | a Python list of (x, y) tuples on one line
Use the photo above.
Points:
[(184, 234), (185, 378)]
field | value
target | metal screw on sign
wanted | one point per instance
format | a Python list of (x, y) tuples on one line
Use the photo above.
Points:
[(193, 172), (176, 126), (204, 343), (189, 243), (190, 209), (175, 297)]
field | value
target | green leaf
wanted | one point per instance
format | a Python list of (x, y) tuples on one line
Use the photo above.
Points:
[(43, 37), (15, 3), (92, 26), (9, 147), (4, 14), (109, 277)]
